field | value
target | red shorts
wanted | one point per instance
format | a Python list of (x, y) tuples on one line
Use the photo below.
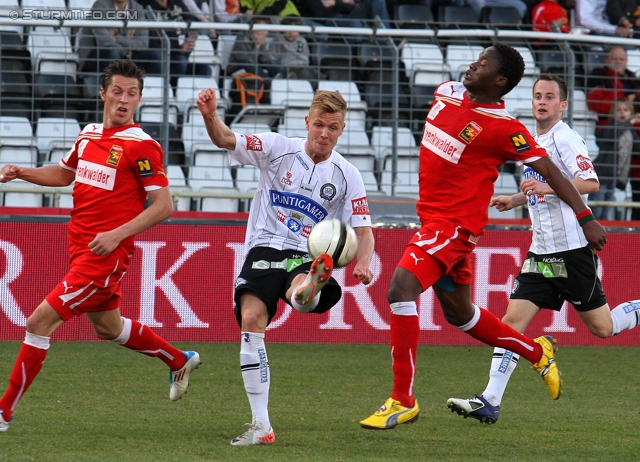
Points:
[(92, 284), (450, 245)]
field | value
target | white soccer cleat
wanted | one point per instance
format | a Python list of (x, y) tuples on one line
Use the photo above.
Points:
[(4, 425), (255, 434), (180, 379)]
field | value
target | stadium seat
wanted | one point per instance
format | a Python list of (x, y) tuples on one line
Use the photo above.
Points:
[(459, 57), (291, 93), (407, 175), (17, 144), (335, 61), (10, 34), (211, 176), (178, 183), (220, 204), (44, 4), (382, 141), (20, 199), (152, 107), (196, 138), (458, 16), (501, 16), (247, 178), (413, 15), (203, 52), (250, 128), (295, 131), (187, 90), (55, 135)]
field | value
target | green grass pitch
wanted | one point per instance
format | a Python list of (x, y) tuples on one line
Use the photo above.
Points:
[(101, 402)]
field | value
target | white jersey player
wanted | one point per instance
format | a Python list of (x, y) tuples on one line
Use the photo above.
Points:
[(294, 193), (302, 181), (561, 265)]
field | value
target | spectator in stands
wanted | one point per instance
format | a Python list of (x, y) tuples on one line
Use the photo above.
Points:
[(617, 140), (226, 10), (292, 50), (611, 83), (280, 8), (349, 13), (172, 10), (253, 65), (251, 53), (592, 15), (199, 9), (549, 16), (98, 47), (624, 13)]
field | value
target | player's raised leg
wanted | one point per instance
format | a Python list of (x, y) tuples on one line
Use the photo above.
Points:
[(306, 295)]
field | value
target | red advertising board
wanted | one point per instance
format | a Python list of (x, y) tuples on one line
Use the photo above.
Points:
[(181, 283)]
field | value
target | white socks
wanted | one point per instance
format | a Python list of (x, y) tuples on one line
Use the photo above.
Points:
[(36, 341), (254, 366), (625, 316), (503, 364), (404, 308)]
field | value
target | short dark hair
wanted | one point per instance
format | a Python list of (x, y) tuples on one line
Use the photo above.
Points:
[(511, 65), (562, 85), (124, 68), (291, 20)]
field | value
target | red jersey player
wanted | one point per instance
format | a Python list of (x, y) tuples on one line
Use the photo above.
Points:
[(467, 135), (116, 166)]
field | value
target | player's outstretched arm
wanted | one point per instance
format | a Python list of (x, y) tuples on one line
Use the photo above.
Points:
[(364, 255), (504, 203), (49, 175), (566, 191), (220, 134)]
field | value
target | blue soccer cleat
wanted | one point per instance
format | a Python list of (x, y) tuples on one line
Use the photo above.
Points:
[(477, 408)]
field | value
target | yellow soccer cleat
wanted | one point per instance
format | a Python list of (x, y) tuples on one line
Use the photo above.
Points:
[(547, 367), (391, 413)]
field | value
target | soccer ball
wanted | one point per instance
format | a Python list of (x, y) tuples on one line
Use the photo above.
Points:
[(335, 238)]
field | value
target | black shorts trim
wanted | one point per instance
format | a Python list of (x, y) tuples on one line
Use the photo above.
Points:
[(271, 284), (581, 287)]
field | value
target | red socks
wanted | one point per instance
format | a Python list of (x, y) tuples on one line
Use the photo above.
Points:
[(405, 334), (490, 330), (25, 370), (143, 340)]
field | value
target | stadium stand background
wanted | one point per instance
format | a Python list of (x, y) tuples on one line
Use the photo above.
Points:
[(386, 74)]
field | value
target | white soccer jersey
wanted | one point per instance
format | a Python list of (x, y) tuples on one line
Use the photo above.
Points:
[(555, 228), (293, 193)]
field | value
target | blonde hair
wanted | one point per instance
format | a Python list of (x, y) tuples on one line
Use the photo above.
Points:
[(620, 102), (325, 101)]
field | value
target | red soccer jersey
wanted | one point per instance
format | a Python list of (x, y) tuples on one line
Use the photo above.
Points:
[(463, 145), (546, 12), (114, 169)]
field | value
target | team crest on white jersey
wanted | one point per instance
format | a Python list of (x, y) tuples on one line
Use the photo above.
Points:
[(328, 191)]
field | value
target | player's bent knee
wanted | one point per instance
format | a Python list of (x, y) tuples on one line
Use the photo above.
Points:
[(601, 331)]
